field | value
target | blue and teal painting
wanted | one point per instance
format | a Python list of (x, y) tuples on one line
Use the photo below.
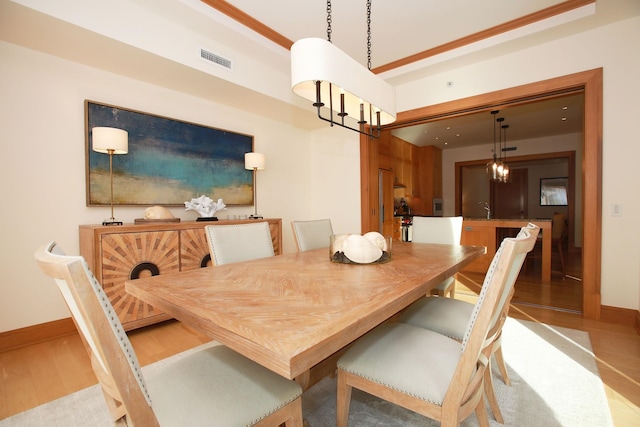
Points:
[(169, 161)]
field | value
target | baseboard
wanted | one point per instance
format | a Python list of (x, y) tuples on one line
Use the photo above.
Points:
[(22, 337), (623, 316)]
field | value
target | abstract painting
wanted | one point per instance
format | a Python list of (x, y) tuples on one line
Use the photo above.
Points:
[(169, 161)]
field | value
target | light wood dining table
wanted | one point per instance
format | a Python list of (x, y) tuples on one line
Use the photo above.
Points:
[(295, 313)]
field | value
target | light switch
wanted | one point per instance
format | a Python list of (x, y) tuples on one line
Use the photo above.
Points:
[(616, 209)]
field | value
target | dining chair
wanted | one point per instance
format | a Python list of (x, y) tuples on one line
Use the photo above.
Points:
[(450, 317), (558, 237), (427, 372), (445, 230), (212, 386), (239, 242), (313, 234)]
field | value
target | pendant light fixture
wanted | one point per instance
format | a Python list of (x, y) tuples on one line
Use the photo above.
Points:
[(504, 177), (356, 98), (492, 167), (500, 164)]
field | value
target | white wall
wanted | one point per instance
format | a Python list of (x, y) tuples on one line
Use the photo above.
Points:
[(43, 173), (602, 47)]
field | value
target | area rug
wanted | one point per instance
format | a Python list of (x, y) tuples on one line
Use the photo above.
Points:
[(554, 382)]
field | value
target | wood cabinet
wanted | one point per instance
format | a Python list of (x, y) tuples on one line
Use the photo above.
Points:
[(429, 178), (479, 235), (402, 167), (119, 253)]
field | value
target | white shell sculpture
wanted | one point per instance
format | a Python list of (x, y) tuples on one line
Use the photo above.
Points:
[(338, 242), (157, 212), (205, 206), (361, 250), (377, 239)]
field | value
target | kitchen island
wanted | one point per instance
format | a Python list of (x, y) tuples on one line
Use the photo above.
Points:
[(484, 232)]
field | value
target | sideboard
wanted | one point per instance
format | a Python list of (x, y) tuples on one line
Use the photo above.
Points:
[(130, 251)]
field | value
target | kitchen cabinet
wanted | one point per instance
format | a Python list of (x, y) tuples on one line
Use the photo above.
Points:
[(131, 251), (402, 167), (479, 235), (429, 178)]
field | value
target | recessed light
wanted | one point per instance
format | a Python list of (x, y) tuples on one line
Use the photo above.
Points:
[(564, 119), (565, 108)]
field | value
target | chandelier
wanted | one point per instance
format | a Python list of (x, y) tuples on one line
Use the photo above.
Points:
[(497, 169), (355, 98)]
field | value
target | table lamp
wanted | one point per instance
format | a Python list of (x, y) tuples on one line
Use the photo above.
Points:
[(255, 162), (110, 141)]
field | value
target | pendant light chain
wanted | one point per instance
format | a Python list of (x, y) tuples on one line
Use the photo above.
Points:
[(329, 21), (369, 34)]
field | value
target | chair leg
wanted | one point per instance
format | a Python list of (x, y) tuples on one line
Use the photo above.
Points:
[(481, 413), (452, 289), (497, 352), (491, 395), (343, 400), (564, 272)]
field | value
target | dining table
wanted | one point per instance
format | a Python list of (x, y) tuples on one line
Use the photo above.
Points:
[(296, 313)]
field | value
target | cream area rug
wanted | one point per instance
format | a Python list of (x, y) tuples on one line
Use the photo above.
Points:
[(554, 382)]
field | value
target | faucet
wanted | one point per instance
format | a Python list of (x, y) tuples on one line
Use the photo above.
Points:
[(487, 208)]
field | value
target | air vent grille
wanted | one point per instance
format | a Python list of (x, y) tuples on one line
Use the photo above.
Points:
[(216, 59)]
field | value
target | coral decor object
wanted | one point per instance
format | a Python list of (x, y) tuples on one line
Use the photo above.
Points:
[(370, 248), (205, 206)]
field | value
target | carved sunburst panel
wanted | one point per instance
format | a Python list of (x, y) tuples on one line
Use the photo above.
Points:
[(194, 249), (130, 255)]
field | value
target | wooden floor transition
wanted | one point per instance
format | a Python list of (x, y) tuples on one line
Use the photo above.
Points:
[(43, 372)]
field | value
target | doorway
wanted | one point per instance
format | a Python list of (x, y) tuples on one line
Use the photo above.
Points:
[(590, 83)]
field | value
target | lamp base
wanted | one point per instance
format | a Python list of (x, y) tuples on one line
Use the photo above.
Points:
[(111, 222), (256, 217)]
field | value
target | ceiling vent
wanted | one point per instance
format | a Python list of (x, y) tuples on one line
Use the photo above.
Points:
[(211, 57)]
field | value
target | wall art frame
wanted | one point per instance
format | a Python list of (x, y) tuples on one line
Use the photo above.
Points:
[(169, 161), (554, 191)]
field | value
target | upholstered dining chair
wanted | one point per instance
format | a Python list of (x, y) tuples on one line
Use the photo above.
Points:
[(428, 372), (445, 230), (313, 234), (212, 386), (450, 317), (239, 242)]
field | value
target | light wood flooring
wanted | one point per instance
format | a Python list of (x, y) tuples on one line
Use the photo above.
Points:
[(39, 373)]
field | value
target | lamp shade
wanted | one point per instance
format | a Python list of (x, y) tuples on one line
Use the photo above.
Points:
[(105, 139), (254, 161), (314, 59)]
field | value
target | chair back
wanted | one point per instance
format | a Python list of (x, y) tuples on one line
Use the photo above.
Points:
[(312, 234), (239, 242), (497, 287), (558, 226), (112, 357), (444, 230)]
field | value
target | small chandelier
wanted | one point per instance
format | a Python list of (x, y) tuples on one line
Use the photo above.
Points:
[(494, 166), (357, 99), (504, 175)]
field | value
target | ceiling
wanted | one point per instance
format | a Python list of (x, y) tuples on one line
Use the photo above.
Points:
[(432, 27)]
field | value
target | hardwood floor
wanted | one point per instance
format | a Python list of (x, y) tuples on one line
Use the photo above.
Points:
[(563, 293), (43, 372)]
